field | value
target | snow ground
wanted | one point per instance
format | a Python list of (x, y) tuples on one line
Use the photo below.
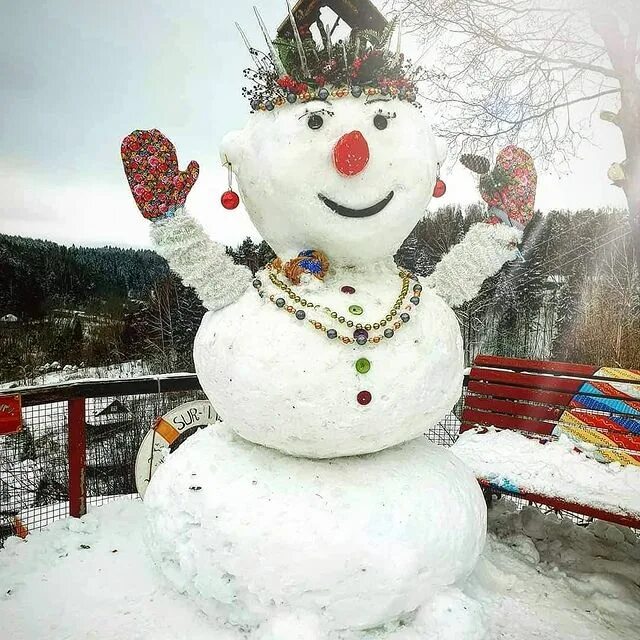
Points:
[(513, 461), (539, 577)]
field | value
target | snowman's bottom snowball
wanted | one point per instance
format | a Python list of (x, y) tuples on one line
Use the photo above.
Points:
[(249, 533)]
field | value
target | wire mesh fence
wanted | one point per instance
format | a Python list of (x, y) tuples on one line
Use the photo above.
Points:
[(34, 463), (34, 468)]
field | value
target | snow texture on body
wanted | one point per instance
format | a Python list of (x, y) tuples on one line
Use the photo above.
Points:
[(247, 532), (510, 459), (275, 379), (539, 577), (280, 383)]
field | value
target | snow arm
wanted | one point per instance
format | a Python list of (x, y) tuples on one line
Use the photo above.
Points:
[(201, 263), (458, 277)]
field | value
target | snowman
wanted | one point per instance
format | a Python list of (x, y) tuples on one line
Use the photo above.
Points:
[(319, 496)]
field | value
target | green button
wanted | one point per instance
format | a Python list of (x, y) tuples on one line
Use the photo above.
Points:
[(356, 310), (363, 365)]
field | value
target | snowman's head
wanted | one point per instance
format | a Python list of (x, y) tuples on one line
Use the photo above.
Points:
[(350, 177)]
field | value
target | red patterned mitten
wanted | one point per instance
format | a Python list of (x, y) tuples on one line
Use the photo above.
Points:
[(151, 166), (510, 188), (513, 187)]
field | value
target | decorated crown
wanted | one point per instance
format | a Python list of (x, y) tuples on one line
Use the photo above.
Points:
[(303, 66)]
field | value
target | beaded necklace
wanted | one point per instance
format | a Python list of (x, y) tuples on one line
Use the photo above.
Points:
[(389, 324)]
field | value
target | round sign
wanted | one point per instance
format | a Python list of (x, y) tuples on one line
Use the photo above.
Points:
[(168, 433)]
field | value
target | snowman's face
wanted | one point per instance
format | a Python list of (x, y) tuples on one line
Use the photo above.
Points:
[(349, 177)]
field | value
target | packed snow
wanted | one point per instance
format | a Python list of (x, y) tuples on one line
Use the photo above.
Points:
[(513, 461), (248, 532), (539, 577), (310, 407)]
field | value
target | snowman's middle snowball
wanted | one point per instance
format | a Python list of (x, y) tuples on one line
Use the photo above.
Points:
[(277, 381)]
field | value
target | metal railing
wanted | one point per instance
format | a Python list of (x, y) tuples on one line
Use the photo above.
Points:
[(79, 443)]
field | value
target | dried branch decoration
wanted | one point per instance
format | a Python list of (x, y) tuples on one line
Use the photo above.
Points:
[(298, 68)]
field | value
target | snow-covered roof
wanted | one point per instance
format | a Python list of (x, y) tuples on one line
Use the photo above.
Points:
[(107, 406), (104, 411)]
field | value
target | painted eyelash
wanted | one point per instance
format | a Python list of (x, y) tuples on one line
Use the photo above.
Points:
[(387, 114), (310, 113), (374, 99)]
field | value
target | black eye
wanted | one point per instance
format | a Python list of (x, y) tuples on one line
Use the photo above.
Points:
[(315, 121), (380, 122)]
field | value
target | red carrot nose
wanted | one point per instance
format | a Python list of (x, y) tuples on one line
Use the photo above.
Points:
[(351, 154)]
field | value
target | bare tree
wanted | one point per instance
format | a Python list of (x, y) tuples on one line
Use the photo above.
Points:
[(518, 71)]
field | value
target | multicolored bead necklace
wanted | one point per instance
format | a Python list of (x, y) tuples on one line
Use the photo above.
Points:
[(391, 322)]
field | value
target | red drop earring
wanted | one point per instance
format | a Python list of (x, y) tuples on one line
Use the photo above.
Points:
[(230, 199), (440, 187)]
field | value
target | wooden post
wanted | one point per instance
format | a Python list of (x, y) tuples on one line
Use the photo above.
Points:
[(77, 458)]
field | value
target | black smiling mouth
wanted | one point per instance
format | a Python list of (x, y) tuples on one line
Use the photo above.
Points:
[(357, 213)]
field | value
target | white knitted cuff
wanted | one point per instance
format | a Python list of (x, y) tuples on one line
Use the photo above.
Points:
[(458, 277), (200, 262)]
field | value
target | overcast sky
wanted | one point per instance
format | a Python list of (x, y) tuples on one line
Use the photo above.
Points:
[(76, 76)]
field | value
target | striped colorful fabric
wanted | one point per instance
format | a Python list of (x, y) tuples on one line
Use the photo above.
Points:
[(601, 435)]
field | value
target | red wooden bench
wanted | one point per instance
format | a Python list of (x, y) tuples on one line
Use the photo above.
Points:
[(598, 409)]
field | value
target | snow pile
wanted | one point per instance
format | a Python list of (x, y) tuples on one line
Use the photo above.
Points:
[(249, 533), (543, 577), (515, 462), (58, 374), (539, 577), (35, 517)]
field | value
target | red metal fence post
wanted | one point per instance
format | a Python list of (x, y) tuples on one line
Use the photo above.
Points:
[(77, 458)]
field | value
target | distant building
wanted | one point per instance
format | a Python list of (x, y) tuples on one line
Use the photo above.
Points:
[(106, 416), (107, 411)]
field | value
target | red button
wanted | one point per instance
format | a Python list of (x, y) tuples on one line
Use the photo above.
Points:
[(348, 289), (364, 398)]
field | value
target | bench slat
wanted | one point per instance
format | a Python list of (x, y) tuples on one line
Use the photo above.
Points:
[(603, 417), (520, 364), (513, 423), (585, 404), (511, 408), (549, 383), (520, 393), (558, 368)]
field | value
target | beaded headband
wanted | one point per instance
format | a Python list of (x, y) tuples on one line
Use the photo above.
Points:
[(301, 66)]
